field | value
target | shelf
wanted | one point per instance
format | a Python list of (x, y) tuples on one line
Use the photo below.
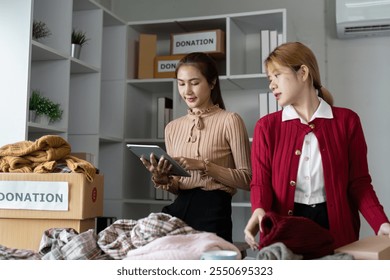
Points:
[(78, 67), (249, 82), (82, 5), (110, 19), (152, 85), (268, 19), (109, 139), (144, 140), (57, 15), (39, 128), (41, 52), (164, 28)]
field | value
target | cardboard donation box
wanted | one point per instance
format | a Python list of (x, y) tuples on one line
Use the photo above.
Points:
[(209, 41), (147, 49), (369, 248), (165, 66), (29, 195), (31, 203), (27, 233)]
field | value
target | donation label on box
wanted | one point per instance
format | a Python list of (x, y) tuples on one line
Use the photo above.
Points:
[(165, 66), (34, 195), (206, 41)]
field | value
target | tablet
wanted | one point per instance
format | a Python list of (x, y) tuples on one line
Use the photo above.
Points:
[(146, 150)]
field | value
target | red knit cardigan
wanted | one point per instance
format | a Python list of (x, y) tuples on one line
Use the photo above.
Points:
[(275, 156)]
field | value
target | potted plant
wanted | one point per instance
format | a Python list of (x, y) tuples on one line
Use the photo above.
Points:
[(79, 39), (46, 110), (40, 30), (33, 104), (55, 112)]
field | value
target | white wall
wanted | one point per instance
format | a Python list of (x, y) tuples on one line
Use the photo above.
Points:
[(14, 69), (359, 77), (356, 71)]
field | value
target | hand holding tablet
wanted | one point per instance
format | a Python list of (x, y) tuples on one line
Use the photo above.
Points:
[(146, 150)]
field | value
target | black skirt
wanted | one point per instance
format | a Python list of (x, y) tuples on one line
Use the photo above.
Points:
[(209, 211), (315, 212)]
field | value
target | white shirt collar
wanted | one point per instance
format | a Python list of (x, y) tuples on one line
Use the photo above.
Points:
[(323, 111)]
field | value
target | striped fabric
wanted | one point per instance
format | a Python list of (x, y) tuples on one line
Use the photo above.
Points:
[(220, 138)]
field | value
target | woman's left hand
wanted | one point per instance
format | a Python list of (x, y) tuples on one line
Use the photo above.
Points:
[(160, 169), (384, 229)]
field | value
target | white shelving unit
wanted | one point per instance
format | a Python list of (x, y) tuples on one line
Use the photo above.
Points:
[(112, 112), (241, 82), (91, 89), (50, 65)]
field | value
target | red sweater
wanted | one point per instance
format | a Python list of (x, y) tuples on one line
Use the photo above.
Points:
[(344, 157)]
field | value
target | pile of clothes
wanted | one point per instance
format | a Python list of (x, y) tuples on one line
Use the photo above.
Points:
[(157, 236), (50, 153)]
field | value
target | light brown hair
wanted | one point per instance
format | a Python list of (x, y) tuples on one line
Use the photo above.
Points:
[(295, 54)]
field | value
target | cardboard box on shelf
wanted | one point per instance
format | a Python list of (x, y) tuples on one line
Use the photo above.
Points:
[(368, 248), (147, 48), (209, 41), (27, 233), (165, 66), (31, 196)]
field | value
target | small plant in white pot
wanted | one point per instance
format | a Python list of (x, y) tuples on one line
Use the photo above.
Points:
[(46, 110), (79, 39), (35, 98)]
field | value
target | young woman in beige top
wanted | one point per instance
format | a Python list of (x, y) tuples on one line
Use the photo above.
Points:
[(211, 144)]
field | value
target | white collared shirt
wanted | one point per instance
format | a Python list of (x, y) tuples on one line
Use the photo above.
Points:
[(310, 179)]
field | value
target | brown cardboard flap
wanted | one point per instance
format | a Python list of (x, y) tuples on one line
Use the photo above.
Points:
[(368, 248)]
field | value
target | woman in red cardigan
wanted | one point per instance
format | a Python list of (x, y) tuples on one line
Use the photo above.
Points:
[(310, 159)]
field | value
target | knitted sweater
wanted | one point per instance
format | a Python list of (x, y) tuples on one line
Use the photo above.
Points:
[(275, 156), (42, 156), (218, 137)]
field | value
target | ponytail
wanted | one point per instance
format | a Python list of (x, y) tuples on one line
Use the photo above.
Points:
[(326, 95)]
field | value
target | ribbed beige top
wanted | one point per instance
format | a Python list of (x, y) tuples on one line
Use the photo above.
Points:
[(218, 137)]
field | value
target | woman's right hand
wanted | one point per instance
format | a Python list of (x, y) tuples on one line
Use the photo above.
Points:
[(253, 227), (159, 169)]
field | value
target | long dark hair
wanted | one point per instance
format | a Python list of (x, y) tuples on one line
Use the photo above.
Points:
[(208, 67)]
